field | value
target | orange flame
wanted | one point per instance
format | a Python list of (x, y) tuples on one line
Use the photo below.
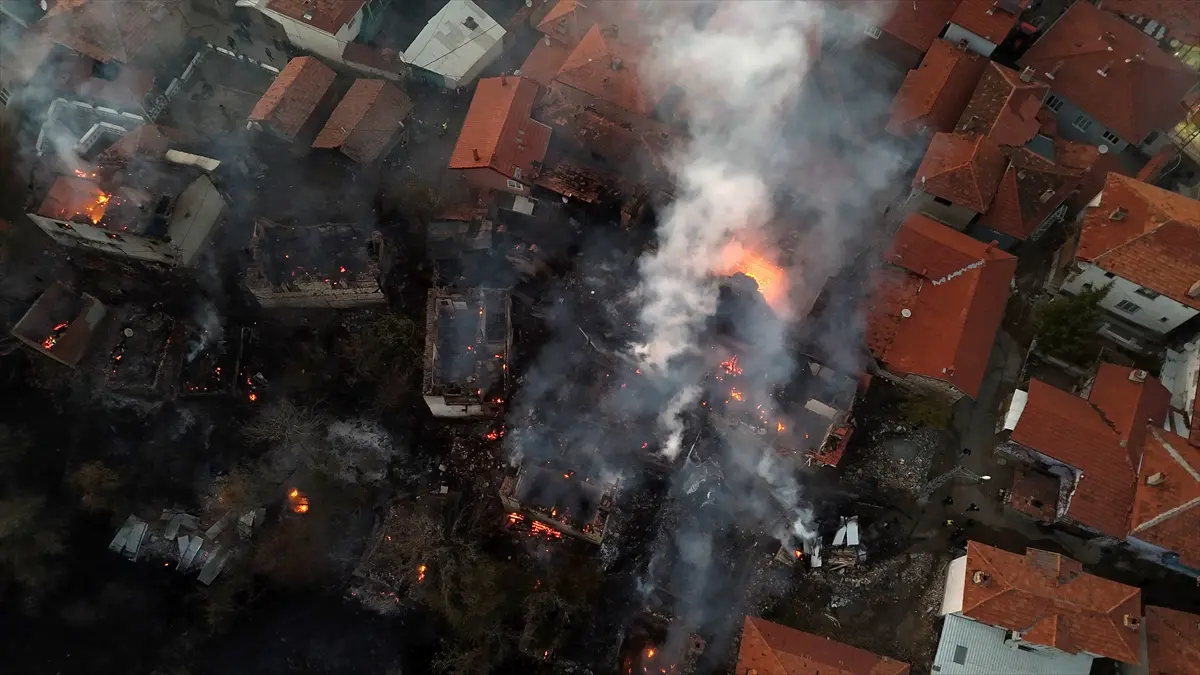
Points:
[(736, 395), (421, 573), (771, 279)]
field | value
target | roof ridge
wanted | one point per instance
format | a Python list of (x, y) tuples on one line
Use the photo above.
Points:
[(753, 621)]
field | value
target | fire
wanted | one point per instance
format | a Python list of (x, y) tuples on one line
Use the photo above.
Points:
[(799, 554), (779, 426), (539, 528), (253, 397), (84, 174), (421, 573), (294, 493), (494, 434), (736, 395), (55, 333), (650, 653), (299, 502), (731, 366), (342, 269), (771, 279)]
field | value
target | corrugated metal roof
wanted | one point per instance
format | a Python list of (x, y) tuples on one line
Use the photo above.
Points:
[(971, 648)]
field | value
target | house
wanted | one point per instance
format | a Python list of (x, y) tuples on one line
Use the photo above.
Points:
[(1030, 198), (456, 45), (322, 27), (982, 25), (934, 95), (468, 337), (905, 29), (1180, 22), (1004, 107), (367, 122), (1031, 614), (561, 502), (1145, 242), (1170, 644), (60, 324), (1164, 525), (289, 107), (1109, 82), (500, 145), (127, 32), (937, 307), (957, 178), (768, 648), (333, 265)]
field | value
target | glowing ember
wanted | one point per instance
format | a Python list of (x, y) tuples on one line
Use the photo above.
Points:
[(798, 554), (297, 501), (731, 366), (494, 434), (294, 493), (84, 174), (538, 528), (253, 397), (771, 279), (779, 426), (736, 395), (650, 653), (421, 573), (55, 334), (342, 270)]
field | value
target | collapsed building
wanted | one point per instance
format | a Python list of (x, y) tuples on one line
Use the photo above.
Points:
[(558, 502), (331, 265), (61, 324), (468, 337), (178, 537)]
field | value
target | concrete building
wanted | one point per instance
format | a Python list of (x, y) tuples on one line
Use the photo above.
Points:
[(332, 265), (323, 27), (468, 335), (982, 25), (456, 45)]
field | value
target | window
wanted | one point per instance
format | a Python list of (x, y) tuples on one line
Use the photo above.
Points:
[(943, 202), (4, 96), (1110, 137), (514, 185), (872, 32), (1146, 293), (1128, 307), (1054, 103), (517, 172), (1082, 123), (960, 654), (1109, 275)]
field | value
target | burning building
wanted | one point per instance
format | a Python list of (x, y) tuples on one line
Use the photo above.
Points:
[(332, 265), (164, 213), (61, 324), (557, 502), (142, 354), (468, 336)]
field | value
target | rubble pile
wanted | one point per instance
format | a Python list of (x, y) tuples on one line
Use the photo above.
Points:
[(895, 462)]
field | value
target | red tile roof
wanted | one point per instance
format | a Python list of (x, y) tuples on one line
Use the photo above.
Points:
[(1142, 90), (1099, 436), (1155, 242), (294, 95), (1051, 601), (986, 19), (365, 120), (1032, 187), (1180, 17), (327, 15), (498, 132), (106, 30), (963, 168), (567, 21), (1094, 165), (148, 140), (1168, 514), (1004, 107), (544, 61), (955, 289), (606, 68), (1172, 642), (71, 196), (935, 94), (771, 649), (915, 23)]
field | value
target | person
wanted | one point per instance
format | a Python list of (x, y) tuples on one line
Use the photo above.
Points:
[(973, 507), (948, 500)]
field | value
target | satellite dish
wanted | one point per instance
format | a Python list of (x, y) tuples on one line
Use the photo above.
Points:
[(128, 332), (529, 3), (906, 312)]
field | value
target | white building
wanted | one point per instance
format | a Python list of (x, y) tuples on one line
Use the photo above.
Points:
[(322, 27), (982, 26), (456, 45)]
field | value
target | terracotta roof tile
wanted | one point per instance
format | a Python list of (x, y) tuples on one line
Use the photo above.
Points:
[(955, 289), (1168, 514), (607, 68), (1180, 17), (567, 21), (1154, 243), (365, 120), (1094, 164), (70, 196), (1004, 107), (148, 140), (498, 131), (294, 95), (915, 23), (1031, 189), (963, 168), (106, 30), (1052, 602), (544, 61), (987, 19), (1172, 642), (1143, 87), (771, 649), (327, 15), (935, 94)]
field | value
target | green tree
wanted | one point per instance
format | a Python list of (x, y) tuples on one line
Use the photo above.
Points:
[(1065, 325)]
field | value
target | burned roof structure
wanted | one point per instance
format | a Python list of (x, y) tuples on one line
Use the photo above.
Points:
[(560, 499), (468, 336), (331, 265), (141, 355), (61, 324)]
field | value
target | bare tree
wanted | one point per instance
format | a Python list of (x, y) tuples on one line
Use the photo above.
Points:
[(244, 488), (285, 423), (29, 539)]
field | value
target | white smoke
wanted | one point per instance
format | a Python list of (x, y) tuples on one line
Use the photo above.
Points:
[(210, 329)]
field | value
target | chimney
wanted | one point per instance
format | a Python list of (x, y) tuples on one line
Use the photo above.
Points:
[(1118, 214), (1027, 74), (1132, 622), (1053, 71), (475, 153), (503, 80), (981, 578), (1103, 72), (1155, 479), (1138, 375)]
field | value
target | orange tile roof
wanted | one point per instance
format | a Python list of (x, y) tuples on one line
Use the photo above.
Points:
[(1094, 165), (498, 132), (955, 289), (294, 95), (1168, 514), (567, 21), (327, 15), (70, 196), (1004, 107), (916, 23), (771, 649), (1051, 601), (1156, 244), (963, 168), (544, 61), (1098, 436), (1172, 642), (1181, 18), (1032, 187), (986, 19), (106, 29), (1143, 87), (606, 68), (935, 93), (365, 120)]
